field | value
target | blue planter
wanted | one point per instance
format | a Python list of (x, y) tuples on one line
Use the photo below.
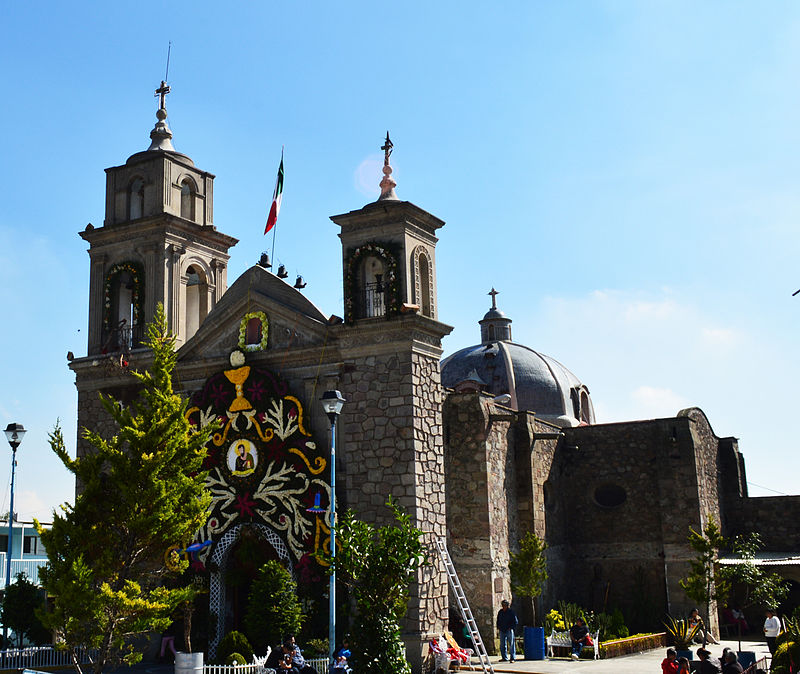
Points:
[(746, 658), (686, 654), (533, 643)]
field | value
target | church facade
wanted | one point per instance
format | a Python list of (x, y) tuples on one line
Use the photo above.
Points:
[(506, 444)]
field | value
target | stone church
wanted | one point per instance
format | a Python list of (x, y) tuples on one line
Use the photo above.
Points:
[(479, 448)]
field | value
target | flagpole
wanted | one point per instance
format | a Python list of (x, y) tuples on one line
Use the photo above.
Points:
[(275, 228)]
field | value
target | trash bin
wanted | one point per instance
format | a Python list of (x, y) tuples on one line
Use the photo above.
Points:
[(533, 643)]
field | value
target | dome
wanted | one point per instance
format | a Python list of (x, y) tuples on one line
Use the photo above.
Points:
[(535, 382)]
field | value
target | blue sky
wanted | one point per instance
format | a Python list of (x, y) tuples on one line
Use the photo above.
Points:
[(625, 174)]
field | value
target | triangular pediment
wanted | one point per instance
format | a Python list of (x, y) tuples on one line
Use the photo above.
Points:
[(293, 320)]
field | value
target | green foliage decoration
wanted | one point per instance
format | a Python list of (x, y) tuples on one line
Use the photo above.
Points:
[(378, 565), (234, 643), (787, 654), (528, 569), (273, 607), (22, 605), (141, 492)]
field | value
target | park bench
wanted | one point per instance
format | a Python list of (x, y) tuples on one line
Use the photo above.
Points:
[(562, 640)]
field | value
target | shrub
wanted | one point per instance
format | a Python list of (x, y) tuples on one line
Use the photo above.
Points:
[(235, 659), (234, 643), (273, 608), (317, 647)]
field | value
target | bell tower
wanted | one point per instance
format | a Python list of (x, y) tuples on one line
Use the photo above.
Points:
[(389, 255), (158, 243)]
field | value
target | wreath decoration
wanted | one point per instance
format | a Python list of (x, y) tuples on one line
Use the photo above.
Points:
[(391, 279), (137, 296), (262, 345)]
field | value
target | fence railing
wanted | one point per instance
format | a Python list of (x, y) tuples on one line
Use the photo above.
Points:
[(29, 566), (43, 656), (320, 664), (758, 664)]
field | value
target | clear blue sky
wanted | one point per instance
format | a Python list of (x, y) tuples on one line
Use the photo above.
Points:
[(625, 174)]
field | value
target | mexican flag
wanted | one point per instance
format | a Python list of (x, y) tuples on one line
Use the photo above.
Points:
[(276, 199)]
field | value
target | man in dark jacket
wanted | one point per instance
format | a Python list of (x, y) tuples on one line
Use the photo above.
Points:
[(577, 634), (708, 665), (506, 622)]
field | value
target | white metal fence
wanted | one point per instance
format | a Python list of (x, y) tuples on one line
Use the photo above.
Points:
[(320, 664), (42, 656), (29, 566)]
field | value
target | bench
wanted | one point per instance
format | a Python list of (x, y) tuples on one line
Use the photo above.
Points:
[(562, 640)]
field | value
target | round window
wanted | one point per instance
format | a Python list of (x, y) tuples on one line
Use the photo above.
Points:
[(610, 495)]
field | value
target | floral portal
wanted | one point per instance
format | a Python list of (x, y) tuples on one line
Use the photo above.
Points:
[(263, 466)]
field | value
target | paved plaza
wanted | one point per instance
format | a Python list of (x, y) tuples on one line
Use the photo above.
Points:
[(649, 661)]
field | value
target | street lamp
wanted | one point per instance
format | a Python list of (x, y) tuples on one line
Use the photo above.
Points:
[(332, 402), (14, 434)]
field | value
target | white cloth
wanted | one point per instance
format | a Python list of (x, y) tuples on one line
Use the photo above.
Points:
[(772, 626)]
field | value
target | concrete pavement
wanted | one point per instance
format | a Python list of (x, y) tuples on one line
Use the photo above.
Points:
[(641, 663)]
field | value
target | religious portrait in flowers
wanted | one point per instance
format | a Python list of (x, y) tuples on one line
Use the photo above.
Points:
[(264, 468)]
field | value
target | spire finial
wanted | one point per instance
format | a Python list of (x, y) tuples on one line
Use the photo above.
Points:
[(494, 293), (161, 136), (387, 183)]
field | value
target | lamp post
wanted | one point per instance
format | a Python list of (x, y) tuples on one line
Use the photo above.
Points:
[(14, 434), (332, 402)]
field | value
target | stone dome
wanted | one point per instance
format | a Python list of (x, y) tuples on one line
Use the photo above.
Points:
[(535, 382)]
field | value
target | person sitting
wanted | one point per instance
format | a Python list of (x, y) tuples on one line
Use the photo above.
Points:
[(731, 664), (703, 636), (340, 658), (708, 664), (669, 665), (288, 658), (683, 666), (578, 634)]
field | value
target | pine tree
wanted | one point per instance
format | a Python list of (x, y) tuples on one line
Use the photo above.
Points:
[(141, 492)]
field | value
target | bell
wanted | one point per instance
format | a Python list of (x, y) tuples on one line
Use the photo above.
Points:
[(264, 261), (282, 273), (299, 283)]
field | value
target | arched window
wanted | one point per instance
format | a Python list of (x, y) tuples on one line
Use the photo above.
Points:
[(586, 408), (122, 298), (254, 331), (136, 199), (187, 200), (423, 286), (196, 299), (491, 332)]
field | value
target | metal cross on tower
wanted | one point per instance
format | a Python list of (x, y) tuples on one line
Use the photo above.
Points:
[(162, 91), (494, 293)]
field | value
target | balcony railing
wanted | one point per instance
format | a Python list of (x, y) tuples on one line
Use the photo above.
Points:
[(122, 338), (29, 566), (374, 300)]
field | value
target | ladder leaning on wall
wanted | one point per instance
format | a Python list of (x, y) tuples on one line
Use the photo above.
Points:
[(463, 606)]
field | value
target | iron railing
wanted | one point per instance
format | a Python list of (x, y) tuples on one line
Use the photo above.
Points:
[(374, 303), (123, 338), (43, 656)]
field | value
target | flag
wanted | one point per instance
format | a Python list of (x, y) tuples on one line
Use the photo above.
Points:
[(276, 199)]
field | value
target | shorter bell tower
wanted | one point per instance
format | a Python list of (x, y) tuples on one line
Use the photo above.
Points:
[(389, 255), (158, 243)]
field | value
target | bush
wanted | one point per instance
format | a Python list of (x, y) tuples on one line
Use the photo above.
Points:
[(273, 608), (317, 647), (235, 659), (234, 643)]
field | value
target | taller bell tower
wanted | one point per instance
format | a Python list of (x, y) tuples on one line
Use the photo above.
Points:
[(158, 243)]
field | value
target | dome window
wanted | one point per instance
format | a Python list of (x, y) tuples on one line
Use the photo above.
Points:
[(610, 495)]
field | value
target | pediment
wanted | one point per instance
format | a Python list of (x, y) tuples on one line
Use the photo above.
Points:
[(293, 320)]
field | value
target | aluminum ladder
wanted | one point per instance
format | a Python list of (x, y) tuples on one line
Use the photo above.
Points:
[(463, 607)]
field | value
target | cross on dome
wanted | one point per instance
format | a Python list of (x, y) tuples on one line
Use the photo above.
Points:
[(494, 293)]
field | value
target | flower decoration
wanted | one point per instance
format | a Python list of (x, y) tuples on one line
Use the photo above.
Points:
[(262, 345), (137, 295), (384, 252)]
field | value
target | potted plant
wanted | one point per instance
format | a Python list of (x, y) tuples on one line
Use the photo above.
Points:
[(528, 569), (681, 635)]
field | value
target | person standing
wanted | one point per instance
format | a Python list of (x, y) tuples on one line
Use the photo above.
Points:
[(772, 627), (506, 622)]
